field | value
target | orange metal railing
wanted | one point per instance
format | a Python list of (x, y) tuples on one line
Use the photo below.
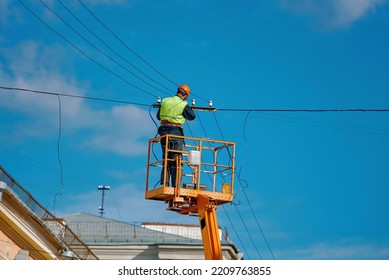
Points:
[(205, 166)]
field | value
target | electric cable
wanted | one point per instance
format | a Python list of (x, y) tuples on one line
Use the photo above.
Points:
[(73, 96), (116, 204), (236, 233), (132, 51), (237, 210), (109, 47), (96, 48), (218, 126), (201, 125), (198, 117), (293, 119), (241, 110), (152, 146), (219, 109), (271, 110), (58, 194), (125, 45), (305, 110), (252, 211), (243, 188), (248, 232), (258, 225)]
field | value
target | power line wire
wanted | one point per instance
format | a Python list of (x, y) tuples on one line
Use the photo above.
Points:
[(73, 96), (96, 48), (304, 110), (119, 101), (256, 220), (125, 45), (82, 52), (248, 232), (264, 110), (236, 233), (218, 109), (133, 52), (109, 47)]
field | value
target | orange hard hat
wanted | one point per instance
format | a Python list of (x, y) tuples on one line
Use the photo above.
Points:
[(184, 88)]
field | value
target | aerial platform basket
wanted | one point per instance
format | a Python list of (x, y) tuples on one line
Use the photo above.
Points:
[(204, 167)]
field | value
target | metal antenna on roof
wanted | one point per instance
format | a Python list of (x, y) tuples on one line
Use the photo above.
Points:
[(102, 188)]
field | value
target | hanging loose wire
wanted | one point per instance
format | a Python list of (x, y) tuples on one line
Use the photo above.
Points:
[(258, 225), (239, 214), (226, 213), (59, 193), (243, 188)]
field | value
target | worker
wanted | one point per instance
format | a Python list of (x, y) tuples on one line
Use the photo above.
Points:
[(172, 113)]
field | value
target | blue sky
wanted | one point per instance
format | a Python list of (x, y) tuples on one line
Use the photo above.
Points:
[(314, 183)]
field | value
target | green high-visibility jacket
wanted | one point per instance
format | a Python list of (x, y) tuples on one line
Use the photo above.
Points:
[(172, 108)]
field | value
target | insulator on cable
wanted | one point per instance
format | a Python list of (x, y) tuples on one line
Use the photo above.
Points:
[(210, 103), (193, 102), (159, 100)]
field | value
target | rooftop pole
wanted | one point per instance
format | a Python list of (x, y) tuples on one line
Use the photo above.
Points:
[(102, 188)]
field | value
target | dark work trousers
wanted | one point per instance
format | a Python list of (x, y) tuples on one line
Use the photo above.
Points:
[(173, 144)]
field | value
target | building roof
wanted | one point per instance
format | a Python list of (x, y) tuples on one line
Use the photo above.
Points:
[(93, 229), (24, 214)]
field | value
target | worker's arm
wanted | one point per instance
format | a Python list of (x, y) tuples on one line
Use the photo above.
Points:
[(188, 113)]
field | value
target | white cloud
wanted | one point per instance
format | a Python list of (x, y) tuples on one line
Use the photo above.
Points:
[(333, 13), (348, 11), (120, 129)]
